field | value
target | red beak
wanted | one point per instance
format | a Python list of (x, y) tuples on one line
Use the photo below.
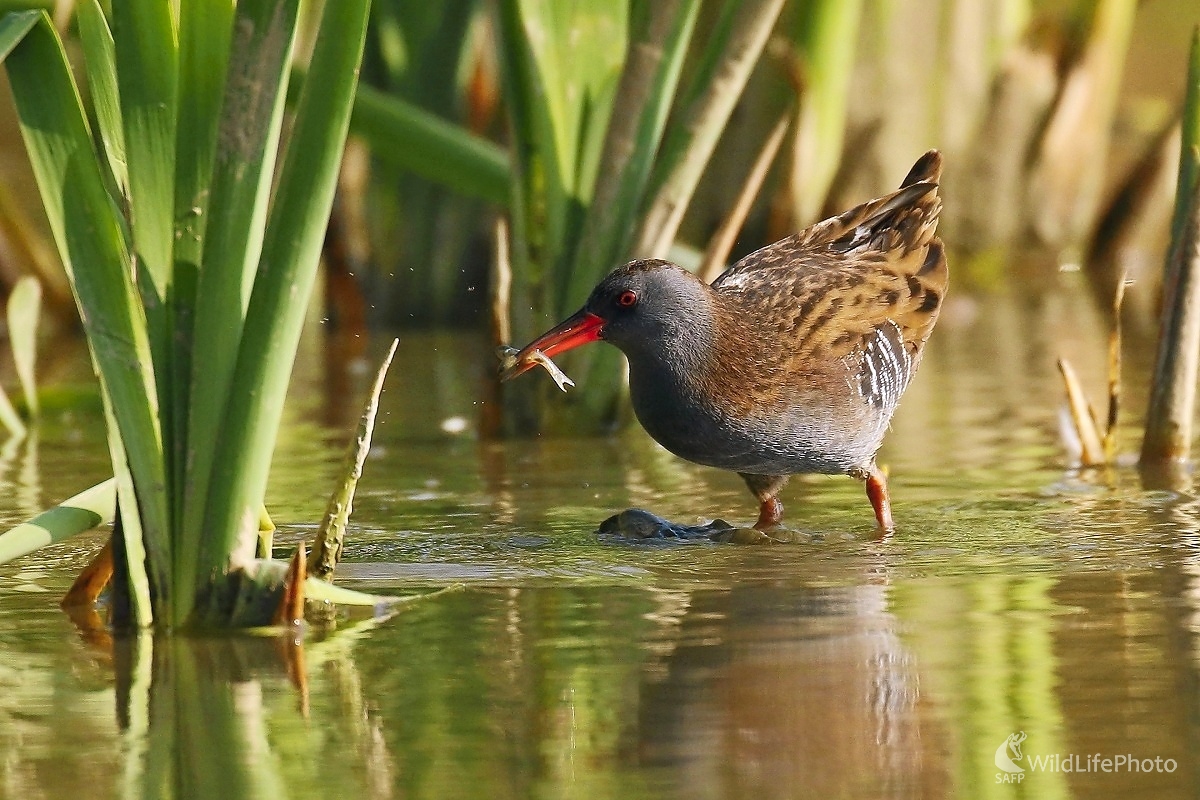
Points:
[(578, 329)]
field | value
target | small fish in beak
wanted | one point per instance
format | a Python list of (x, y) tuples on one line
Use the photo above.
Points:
[(580, 328), (512, 364)]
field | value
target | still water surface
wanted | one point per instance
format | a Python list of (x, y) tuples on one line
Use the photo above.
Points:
[(1018, 597)]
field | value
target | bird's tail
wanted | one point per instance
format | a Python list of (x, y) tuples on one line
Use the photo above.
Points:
[(901, 221), (902, 228), (925, 261), (928, 169), (918, 229)]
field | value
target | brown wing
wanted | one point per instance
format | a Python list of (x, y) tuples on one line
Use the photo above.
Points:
[(854, 282)]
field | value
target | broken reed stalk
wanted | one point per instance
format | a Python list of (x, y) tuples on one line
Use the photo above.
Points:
[(717, 255), (327, 549), (290, 610), (1096, 449), (1091, 444), (1114, 372)]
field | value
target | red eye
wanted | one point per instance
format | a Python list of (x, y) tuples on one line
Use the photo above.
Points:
[(627, 298)]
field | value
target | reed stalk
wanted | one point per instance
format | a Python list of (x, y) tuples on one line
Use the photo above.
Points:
[(1168, 436), (716, 255)]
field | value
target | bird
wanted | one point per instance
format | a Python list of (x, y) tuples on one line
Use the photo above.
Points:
[(791, 361)]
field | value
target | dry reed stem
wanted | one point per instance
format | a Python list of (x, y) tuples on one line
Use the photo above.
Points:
[(291, 605), (1091, 444), (500, 283), (1114, 372), (491, 411), (717, 255), (92, 579)]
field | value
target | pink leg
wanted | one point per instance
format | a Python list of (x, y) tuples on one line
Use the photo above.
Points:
[(877, 493), (770, 513), (765, 488)]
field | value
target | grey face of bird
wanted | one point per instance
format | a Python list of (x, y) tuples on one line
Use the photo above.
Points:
[(653, 310)]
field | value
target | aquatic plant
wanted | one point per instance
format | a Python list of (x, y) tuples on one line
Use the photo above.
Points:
[(1167, 438), (191, 254)]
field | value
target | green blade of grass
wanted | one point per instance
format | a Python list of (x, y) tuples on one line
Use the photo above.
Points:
[(539, 200), (83, 512), (826, 33), (24, 308), (132, 529), (204, 44), (577, 50), (430, 56), (13, 28), (414, 53), (561, 64), (147, 82), (147, 79), (409, 137), (101, 56), (286, 274), (246, 146), (88, 232), (204, 50)]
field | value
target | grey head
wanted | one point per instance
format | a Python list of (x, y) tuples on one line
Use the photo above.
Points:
[(658, 314)]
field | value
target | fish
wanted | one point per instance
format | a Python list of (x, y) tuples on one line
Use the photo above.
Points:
[(509, 364)]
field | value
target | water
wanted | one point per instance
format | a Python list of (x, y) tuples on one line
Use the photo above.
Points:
[(1018, 597)]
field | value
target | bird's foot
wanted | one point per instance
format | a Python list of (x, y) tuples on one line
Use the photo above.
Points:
[(770, 513), (881, 501)]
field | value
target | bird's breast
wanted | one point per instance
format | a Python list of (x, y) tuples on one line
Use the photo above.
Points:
[(729, 430)]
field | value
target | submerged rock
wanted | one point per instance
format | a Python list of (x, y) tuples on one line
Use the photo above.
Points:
[(637, 523)]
